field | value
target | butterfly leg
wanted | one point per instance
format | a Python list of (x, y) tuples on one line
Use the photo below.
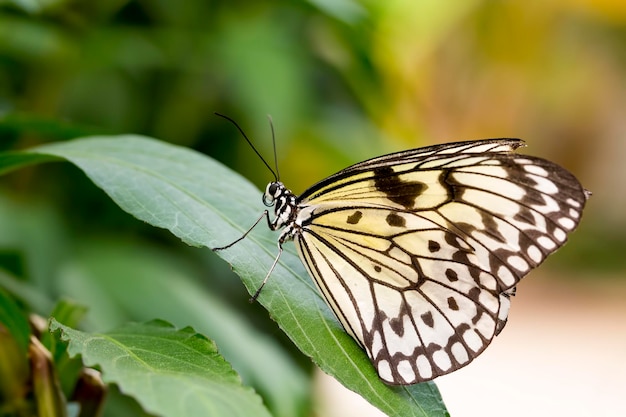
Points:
[(258, 291), (267, 216)]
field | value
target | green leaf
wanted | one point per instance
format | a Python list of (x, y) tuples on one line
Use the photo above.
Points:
[(68, 369), (120, 281), (169, 372), (206, 204)]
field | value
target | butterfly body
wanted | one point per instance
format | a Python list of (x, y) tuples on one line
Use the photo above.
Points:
[(417, 253)]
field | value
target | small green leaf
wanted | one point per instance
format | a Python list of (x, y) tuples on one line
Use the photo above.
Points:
[(68, 369), (14, 366), (14, 321), (169, 372), (122, 280), (206, 204)]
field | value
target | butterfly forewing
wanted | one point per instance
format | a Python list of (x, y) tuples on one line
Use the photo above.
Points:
[(418, 252)]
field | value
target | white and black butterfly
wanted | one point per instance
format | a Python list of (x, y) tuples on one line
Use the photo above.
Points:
[(418, 252)]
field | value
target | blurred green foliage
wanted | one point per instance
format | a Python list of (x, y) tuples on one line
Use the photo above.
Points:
[(343, 80)]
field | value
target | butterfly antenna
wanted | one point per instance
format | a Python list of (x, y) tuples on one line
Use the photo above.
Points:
[(250, 143), (274, 145)]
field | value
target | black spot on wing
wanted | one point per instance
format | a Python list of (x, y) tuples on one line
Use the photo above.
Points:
[(355, 217), (397, 323), (400, 192), (428, 319), (395, 220), (451, 275), (433, 246)]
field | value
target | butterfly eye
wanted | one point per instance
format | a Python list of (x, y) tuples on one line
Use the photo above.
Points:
[(270, 191)]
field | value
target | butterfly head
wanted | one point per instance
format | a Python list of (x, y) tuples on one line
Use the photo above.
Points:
[(284, 202)]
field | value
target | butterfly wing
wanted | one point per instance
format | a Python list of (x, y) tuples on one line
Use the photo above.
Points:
[(417, 252)]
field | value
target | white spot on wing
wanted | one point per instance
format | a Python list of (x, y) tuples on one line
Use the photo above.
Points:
[(533, 169), (560, 235), (567, 223), (506, 276), (384, 371), (459, 353), (442, 360), (546, 242), (472, 340), (406, 371), (573, 203), (534, 253), (545, 185), (423, 367), (518, 263)]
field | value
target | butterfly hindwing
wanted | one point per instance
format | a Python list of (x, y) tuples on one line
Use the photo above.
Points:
[(417, 316), (418, 252)]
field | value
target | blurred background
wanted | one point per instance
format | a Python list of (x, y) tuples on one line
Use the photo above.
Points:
[(343, 80)]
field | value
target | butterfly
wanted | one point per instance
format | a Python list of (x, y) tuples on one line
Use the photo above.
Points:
[(418, 252)]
